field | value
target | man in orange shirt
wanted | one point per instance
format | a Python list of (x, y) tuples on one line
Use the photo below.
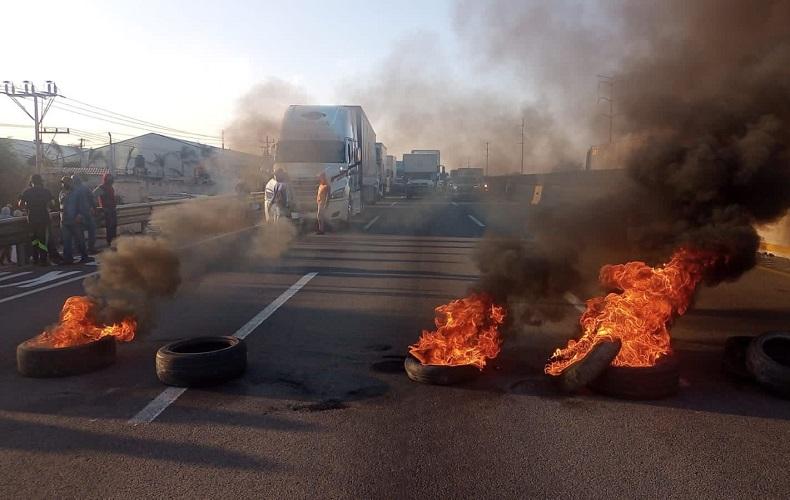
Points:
[(323, 201)]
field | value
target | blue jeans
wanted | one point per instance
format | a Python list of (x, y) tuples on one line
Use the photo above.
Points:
[(72, 232), (89, 224)]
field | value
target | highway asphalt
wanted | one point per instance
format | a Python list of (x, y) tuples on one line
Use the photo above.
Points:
[(325, 410)]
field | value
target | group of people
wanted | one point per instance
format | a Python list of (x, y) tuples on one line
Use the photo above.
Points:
[(280, 200), (78, 207)]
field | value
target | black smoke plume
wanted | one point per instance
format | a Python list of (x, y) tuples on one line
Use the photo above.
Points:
[(702, 93), (131, 277)]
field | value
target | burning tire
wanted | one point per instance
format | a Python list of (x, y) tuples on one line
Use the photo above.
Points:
[(587, 369), (201, 361), (734, 360), (439, 374), (645, 382), (768, 359), (35, 360)]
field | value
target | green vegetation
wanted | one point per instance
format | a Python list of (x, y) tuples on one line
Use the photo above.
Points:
[(13, 174)]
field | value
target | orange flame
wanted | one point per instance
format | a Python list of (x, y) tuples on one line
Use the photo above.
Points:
[(77, 326), (467, 332), (639, 315)]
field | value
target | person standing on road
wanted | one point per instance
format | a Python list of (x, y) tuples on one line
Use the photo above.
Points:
[(105, 195), (5, 252), (71, 223), (268, 198), (277, 199), (37, 201), (86, 208), (322, 200)]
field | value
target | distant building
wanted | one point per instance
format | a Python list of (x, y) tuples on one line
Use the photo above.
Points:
[(150, 165), (54, 154)]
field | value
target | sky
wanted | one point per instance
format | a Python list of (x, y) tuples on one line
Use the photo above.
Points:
[(185, 64)]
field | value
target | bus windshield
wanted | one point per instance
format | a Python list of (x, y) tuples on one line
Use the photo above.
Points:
[(311, 152)]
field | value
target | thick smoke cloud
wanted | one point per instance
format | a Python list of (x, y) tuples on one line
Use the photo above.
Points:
[(138, 271), (716, 122), (259, 113), (702, 95), (418, 99)]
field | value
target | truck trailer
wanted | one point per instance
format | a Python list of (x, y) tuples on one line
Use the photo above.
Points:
[(337, 141)]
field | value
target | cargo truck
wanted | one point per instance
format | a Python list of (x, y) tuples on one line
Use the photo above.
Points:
[(421, 171), (337, 141)]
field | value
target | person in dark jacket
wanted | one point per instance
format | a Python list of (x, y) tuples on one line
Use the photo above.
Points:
[(37, 201), (105, 196), (71, 222), (86, 208)]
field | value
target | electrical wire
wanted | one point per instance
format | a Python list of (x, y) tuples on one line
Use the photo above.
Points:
[(133, 119), (138, 127)]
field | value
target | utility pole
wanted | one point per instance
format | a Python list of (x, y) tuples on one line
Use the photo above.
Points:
[(46, 96), (610, 81), (112, 156), (267, 146), (486, 158), (223, 138), (523, 124)]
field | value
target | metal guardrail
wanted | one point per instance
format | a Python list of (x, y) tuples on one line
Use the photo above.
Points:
[(16, 230)]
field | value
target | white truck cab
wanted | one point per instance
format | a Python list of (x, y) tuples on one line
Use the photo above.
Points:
[(337, 141)]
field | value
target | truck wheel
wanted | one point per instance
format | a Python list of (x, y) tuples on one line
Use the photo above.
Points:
[(201, 361)]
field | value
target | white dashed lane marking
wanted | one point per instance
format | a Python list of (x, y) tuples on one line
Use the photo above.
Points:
[(169, 395), (12, 276), (373, 221), (475, 220)]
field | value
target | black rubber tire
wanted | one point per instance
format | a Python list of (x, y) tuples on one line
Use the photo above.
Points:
[(587, 369), (651, 382), (201, 361), (733, 361), (37, 361), (437, 374), (768, 360)]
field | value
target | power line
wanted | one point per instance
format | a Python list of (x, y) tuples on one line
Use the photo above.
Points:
[(133, 126), (138, 120)]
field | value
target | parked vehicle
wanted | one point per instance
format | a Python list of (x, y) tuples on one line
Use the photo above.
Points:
[(421, 171), (466, 183), (335, 140)]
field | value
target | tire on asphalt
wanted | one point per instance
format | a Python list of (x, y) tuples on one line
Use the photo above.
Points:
[(439, 374), (646, 382), (201, 361), (768, 360), (733, 361), (585, 370), (40, 361)]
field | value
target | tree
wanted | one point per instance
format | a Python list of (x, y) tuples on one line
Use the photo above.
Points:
[(13, 174)]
